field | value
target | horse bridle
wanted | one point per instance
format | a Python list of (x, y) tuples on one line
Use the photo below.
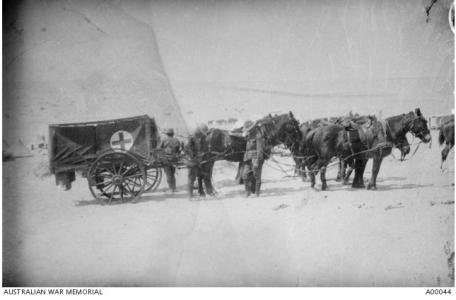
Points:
[(407, 125), (411, 127)]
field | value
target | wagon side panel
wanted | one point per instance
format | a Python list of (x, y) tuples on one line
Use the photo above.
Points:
[(71, 146), (127, 135)]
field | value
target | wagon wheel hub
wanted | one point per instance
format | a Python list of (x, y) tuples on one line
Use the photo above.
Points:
[(117, 180)]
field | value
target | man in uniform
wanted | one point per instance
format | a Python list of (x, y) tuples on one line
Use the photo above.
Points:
[(198, 166), (253, 158), (171, 147)]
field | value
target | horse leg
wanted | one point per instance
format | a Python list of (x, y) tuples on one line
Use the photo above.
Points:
[(247, 177), (239, 179), (312, 174), (377, 162), (297, 166), (360, 166), (207, 177), (341, 171), (348, 173), (258, 167), (445, 152), (304, 169), (300, 168), (314, 171), (324, 186)]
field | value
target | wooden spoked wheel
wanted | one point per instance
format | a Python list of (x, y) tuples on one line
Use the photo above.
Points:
[(153, 178), (117, 176)]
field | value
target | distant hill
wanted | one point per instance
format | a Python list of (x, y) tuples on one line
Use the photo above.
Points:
[(80, 61)]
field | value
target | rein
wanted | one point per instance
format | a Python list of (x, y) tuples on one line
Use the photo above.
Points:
[(413, 154)]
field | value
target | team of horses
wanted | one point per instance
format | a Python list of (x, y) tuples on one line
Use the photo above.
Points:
[(314, 144)]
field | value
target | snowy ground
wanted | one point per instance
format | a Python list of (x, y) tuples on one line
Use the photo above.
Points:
[(400, 235)]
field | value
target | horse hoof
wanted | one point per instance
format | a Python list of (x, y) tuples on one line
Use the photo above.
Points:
[(324, 187), (371, 187), (346, 183), (358, 186)]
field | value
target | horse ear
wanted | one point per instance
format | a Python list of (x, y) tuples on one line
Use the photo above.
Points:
[(291, 114), (418, 112)]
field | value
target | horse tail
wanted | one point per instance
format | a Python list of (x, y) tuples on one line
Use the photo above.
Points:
[(441, 135)]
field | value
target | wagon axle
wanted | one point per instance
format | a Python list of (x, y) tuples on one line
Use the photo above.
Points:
[(117, 180)]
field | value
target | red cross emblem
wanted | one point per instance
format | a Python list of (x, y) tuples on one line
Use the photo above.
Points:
[(122, 140)]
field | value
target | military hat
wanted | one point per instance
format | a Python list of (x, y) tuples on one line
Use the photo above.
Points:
[(202, 128), (169, 131), (248, 125)]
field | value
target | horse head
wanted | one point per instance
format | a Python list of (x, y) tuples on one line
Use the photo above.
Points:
[(281, 129), (417, 125)]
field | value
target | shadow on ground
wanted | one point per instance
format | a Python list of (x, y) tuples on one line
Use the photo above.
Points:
[(146, 197)]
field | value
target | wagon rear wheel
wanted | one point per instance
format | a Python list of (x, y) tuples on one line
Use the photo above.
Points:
[(117, 176), (153, 178)]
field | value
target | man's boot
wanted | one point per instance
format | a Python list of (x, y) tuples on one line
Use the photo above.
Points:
[(257, 188), (248, 189)]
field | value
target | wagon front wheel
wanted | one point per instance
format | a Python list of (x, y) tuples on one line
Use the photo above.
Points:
[(153, 176), (117, 176)]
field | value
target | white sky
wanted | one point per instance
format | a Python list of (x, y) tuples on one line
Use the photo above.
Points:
[(240, 51)]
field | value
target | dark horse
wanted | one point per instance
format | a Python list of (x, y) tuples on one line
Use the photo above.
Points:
[(224, 145), (274, 130), (299, 154), (302, 156), (357, 143), (350, 124), (219, 144), (446, 135)]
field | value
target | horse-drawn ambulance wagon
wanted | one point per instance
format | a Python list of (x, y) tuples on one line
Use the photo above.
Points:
[(119, 158)]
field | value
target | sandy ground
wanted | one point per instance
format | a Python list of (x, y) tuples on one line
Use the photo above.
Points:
[(400, 235)]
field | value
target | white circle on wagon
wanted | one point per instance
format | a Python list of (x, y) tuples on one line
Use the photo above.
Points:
[(121, 140)]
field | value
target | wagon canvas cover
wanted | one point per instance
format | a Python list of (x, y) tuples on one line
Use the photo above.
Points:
[(76, 145)]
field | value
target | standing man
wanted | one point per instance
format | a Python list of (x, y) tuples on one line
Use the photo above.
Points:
[(171, 148), (199, 165), (253, 158)]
